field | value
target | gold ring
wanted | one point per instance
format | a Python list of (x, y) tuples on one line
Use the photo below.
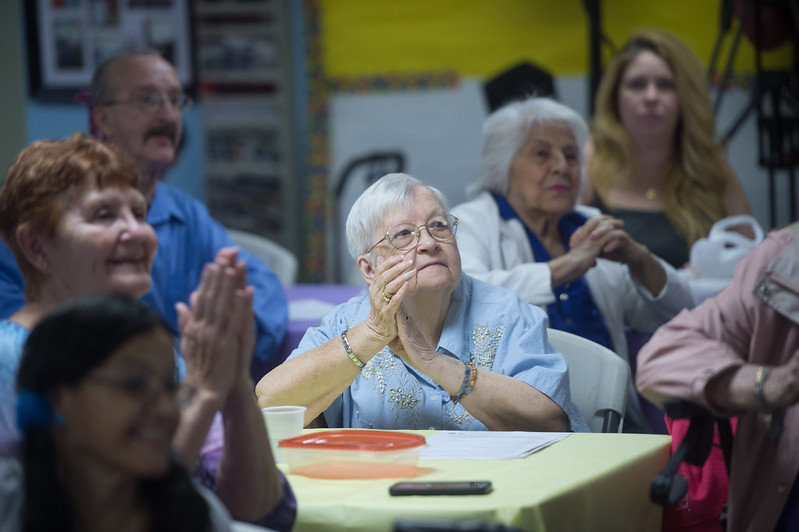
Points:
[(387, 297)]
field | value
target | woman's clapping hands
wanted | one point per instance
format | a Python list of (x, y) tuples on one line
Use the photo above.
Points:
[(386, 293), (388, 319), (217, 332)]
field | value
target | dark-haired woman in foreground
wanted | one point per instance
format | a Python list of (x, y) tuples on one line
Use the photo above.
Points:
[(98, 408)]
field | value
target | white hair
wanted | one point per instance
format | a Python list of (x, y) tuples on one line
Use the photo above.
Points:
[(506, 129), (390, 192)]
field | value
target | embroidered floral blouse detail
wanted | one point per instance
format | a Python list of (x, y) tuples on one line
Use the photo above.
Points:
[(485, 324)]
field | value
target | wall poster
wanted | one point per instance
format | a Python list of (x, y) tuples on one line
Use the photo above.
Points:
[(68, 39)]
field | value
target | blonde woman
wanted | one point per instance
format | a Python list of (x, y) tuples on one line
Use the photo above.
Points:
[(652, 160)]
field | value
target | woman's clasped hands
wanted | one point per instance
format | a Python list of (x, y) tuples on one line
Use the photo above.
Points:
[(603, 237), (389, 318), (386, 292), (598, 237), (217, 332)]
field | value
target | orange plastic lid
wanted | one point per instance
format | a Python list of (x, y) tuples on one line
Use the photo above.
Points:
[(355, 440)]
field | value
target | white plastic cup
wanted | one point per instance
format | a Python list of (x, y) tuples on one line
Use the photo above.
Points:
[(282, 422)]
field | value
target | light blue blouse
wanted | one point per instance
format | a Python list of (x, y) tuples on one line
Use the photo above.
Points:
[(485, 324), (12, 338)]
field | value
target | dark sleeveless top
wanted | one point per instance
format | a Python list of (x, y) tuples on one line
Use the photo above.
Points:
[(654, 230)]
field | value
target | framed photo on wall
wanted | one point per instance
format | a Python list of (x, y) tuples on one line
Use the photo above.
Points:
[(68, 39)]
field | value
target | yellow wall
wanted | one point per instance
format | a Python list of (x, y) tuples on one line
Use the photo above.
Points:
[(481, 37)]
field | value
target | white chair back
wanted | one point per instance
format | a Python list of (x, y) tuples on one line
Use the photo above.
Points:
[(599, 380), (279, 259)]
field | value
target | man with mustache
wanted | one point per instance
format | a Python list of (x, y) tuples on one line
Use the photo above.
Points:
[(137, 104)]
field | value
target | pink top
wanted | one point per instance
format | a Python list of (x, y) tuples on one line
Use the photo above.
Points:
[(755, 320)]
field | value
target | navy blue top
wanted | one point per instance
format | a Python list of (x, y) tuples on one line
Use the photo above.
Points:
[(574, 309)]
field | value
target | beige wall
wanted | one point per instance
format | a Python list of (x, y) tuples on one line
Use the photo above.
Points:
[(12, 89)]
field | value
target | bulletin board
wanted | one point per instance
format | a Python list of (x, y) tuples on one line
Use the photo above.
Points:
[(68, 39)]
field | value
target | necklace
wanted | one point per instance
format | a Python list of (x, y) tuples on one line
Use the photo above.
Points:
[(651, 193)]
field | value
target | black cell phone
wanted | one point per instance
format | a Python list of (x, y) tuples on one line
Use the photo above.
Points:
[(457, 487)]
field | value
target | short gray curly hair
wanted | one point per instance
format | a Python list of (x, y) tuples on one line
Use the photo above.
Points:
[(390, 192)]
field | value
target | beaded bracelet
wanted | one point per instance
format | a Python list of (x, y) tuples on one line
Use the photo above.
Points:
[(469, 379), (348, 349)]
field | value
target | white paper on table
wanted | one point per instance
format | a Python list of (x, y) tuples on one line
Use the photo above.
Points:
[(309, 309), (486, 445)]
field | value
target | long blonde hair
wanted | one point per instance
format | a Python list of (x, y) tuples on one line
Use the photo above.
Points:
[(696, 178)]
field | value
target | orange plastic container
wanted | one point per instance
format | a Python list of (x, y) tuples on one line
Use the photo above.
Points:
[(353, 454)]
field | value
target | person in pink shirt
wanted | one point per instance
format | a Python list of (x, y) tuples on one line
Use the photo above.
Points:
[(738, 355)]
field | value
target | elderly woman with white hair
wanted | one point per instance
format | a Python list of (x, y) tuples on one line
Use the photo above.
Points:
[(522, 231), (425, 347)]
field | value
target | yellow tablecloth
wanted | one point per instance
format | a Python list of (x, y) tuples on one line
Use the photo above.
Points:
[(590, 482)]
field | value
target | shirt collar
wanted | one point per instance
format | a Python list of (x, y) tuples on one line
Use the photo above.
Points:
[(568, 224), (779, 285), (163, 206)]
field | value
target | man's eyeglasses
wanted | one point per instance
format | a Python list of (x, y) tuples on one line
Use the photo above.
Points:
[(405, 237), (152, 102), (144, 387)]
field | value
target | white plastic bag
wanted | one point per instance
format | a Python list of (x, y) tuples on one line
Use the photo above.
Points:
[(716, 256), (713, 259)]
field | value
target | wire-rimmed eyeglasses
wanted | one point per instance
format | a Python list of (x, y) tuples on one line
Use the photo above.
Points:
[(152, 102), (404, 237)]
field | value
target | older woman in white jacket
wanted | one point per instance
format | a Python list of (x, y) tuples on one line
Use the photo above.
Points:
[(522, 231)]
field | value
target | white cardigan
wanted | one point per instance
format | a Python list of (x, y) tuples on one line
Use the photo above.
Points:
[(498, 251)]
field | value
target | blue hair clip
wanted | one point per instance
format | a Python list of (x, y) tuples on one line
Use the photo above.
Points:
[(33, 410)]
